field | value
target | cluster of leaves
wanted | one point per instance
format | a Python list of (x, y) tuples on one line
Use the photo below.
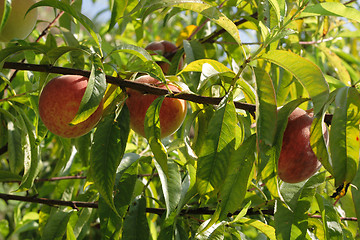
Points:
[(215, 178)]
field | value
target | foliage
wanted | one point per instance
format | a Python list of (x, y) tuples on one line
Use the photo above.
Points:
[(249, 64)]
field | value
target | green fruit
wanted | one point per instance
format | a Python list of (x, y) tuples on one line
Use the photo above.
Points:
[(18, 26)]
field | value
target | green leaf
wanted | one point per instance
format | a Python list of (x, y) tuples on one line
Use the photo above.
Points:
[(93, 95), (268, 230), (16, 157), (269, 155), (108, 147), (198, 65), (8, 51), (205, 9), (132, 49), (355, 192), (319, 143), (146, 64), (266, 109), (337, 64), (330, 9), (217, 148), (56, 224), (135, 225), (8, 176), (291, 219), (306, 72), (344, 135), (233, 191), (153, 133), (69, 9), (54, 54), (171, 185), (330, 218), (6, 13), (31, 152)]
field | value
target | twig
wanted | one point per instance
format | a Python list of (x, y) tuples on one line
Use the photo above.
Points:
[(51, 202), (158, 211), (145, 88)]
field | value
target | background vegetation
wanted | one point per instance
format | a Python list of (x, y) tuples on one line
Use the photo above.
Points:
[(216, 177)]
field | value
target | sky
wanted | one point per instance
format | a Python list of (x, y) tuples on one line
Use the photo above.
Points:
[(90, 9)]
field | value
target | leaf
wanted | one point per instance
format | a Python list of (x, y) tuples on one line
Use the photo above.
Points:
[(344, 135), (93, 95), (6, 13), (108, 147), (153, 134), (217, 148), (67, 8), (236, 182), (268, 230), (198, 65), (338, 65), (330, 218), (16, 157), (31, 152), (269, 155), (132, 49), (171, 186), (54, 54), (355, 193), (146, 64), (8, 51), (307, 73), (318, 133), (135, 225), (266, 110), (6, 176), (291, 220), (205, 9), (56, 224), (330, 9)]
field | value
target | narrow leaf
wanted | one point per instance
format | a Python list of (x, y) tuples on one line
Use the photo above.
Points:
[(31, 152), (56, 224), (135, 225), (93, 95), (336, 9), (217, 148), (291, 220), (306, 72), (330, 219), (266, 110), (171, 186), (344, 135), (236, 182), (152, 132), (107, 150)]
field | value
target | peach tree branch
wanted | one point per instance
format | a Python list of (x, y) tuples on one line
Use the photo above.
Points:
[(159, 211), (144, 88)]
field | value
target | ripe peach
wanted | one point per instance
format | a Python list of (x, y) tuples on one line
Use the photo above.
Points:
[(18, 25), (297, 160), (166, 49), (172, 111), (59, 102)]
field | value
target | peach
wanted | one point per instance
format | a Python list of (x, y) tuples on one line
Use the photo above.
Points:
[(166, 49), (172, 110), (59, 103), (18, 25), (297, 161)]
